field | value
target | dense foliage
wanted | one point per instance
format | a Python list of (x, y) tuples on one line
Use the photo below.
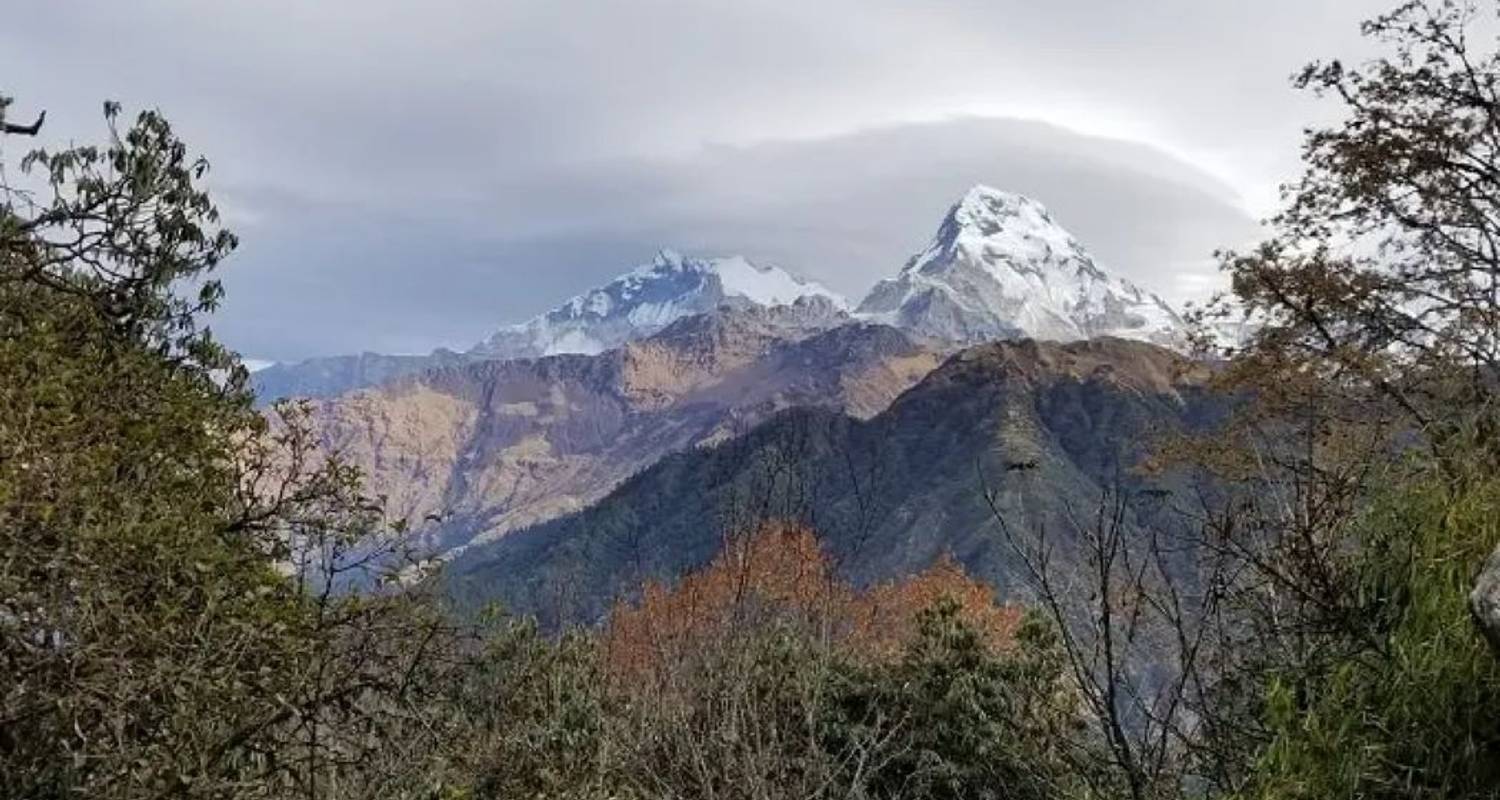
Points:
[(774, 690), (167, 625), (1414, 709), (1346, 661)]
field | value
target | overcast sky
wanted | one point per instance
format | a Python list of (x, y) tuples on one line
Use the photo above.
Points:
[(406, 175)]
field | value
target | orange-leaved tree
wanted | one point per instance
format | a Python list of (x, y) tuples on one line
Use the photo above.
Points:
[(780, 574)]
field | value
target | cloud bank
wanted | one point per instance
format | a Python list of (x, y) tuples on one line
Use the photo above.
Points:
[(406, 174)]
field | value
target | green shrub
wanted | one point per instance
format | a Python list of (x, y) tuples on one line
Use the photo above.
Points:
[(1415, 710)]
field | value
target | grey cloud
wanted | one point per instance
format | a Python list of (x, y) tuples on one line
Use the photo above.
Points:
[(409, 173), (845, 210)]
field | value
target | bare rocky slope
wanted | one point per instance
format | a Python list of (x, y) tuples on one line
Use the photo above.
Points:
[(471, 451)]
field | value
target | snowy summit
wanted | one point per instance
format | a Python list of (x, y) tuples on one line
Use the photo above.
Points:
[(647, 299), (1000, 267)]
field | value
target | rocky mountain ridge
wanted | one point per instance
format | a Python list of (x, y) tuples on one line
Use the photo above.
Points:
[(1046, 428), (471, 451), (999, 267), (629, 308), (648, 299)]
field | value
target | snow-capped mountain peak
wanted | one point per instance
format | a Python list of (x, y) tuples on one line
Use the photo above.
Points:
[(1001, 267), (647, 299), (989, 223)]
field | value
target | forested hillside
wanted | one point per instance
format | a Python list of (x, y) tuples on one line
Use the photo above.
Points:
[(1043, 430)]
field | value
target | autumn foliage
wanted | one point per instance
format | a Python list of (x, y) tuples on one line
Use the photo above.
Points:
[(781, 574)]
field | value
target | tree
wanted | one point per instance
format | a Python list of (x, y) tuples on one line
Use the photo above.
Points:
[(1405, 703), (1343, 656), (1132, 624), (156, 639), (1384, 270), (976, 721)]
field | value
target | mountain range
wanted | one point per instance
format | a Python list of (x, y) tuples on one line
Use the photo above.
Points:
[(999, 267), (1046, 428), (622, 435), (478, 449), (647, 299)]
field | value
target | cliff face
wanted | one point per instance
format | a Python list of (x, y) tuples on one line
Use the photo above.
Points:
[(469, 452), (1046, 428)]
